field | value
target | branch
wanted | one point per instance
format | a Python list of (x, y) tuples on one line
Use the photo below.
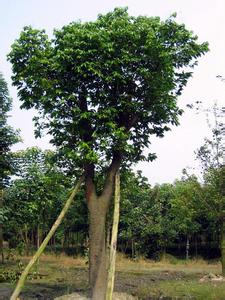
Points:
[(89, 182), (110, 178)]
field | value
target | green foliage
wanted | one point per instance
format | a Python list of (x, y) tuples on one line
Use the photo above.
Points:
[(36, 195), (8, 136), (212, 153), (105, 86), (185, 206), (211, 156)]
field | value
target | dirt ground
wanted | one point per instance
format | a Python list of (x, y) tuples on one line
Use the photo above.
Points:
[(144, 280)]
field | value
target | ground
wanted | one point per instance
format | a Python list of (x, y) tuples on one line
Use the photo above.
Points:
[(169, 279)]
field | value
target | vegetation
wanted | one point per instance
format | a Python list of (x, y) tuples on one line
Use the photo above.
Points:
[(60, 275), (8, 137), (212, 157), (102, 89)]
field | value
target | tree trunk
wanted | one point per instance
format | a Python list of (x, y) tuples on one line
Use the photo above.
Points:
[(223, 246), (97, 254), (98, 207), (187, 247), (132, 249), (26, 240), (196, 246), (164, 251)]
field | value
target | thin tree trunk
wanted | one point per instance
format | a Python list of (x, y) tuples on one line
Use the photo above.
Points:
[(164, 251), (112, 256), (38, 235), (26, 239), (39, 240), (223, 246), (24, 274), (196, 246), (187, 247), (132, 249)]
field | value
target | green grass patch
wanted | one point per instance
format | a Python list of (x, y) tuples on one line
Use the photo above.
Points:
[(182, 290)]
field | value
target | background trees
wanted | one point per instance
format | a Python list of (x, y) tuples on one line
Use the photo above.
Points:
[(212, 158), (35, 197), (8, 137)]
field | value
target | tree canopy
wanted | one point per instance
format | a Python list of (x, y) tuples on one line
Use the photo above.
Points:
[(105, 86), (102, 89)]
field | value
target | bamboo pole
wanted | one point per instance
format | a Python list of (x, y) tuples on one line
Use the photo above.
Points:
[(25, 272), (112, 255)]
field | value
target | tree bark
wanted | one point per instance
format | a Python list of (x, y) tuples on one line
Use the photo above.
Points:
[(98, 207), (98, 256)]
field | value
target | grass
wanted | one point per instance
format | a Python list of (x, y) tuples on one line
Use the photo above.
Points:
[(183, 290), (167, 279)]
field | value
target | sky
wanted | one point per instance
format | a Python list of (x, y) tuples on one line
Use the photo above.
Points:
[(206, 18)]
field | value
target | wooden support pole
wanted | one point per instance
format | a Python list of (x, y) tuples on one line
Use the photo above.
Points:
[(112, 255), (24, 274)]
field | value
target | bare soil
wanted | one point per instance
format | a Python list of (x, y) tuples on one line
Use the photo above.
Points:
[(142, 280)]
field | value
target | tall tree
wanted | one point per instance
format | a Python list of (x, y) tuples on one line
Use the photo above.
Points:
[(212, 158), (102, 88), (8, 137)]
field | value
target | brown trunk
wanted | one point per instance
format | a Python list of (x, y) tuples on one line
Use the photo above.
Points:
[(97, 255), (98, 207), (187, 247)]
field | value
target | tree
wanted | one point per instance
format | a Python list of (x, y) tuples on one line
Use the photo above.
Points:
[(138, 219), (187, 198), (212, 158), (212, 153), (8, 137), (101, 89), (35, 195)]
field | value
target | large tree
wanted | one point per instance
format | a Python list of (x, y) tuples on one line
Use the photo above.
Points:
[(101, 89), (8, 137)]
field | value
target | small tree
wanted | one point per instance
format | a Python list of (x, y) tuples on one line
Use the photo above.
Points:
[(185, 208), (8, 137), (102, 89)]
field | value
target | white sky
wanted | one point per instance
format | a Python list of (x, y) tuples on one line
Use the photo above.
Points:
[(205, 17)]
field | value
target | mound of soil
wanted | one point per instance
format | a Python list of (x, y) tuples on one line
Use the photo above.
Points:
[(212, 277), (76, 296)]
